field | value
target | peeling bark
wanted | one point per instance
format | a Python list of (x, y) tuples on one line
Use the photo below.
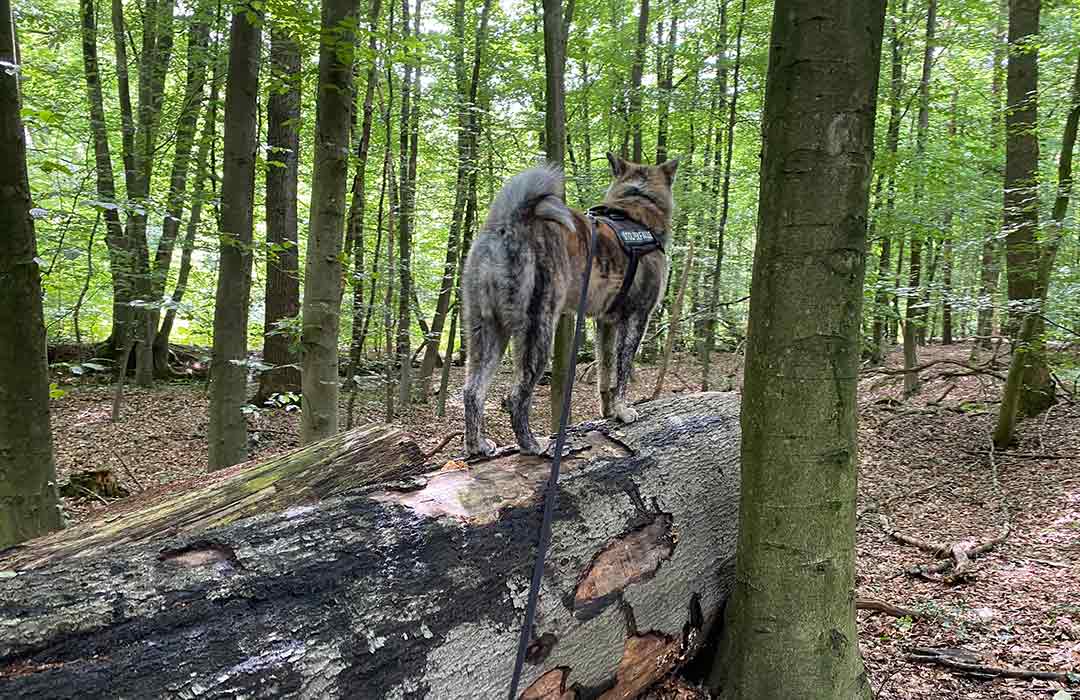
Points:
[(348, 568)]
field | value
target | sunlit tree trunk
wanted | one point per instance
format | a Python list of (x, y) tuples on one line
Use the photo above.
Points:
[(790, 625), (29, 502), (989, 266), (227, 433), (321, 314)]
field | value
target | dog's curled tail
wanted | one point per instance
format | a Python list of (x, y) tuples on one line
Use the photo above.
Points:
[(536, 193)]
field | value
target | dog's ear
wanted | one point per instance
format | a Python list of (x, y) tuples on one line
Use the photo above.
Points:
[(668, 169), (618, 165)]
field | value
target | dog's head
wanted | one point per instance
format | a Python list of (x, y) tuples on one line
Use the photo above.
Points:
[(642, 186)]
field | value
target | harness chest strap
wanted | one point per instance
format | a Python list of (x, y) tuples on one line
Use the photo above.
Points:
[(635, 240)]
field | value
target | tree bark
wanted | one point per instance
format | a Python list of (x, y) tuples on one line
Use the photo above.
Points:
[(354, 235), (636, 71), (719, 227), (643, 545), (29, 502), (1021, 203), (404, 215), (282, 252), (665, 74), (186, 126), (227, 432), (991, 248), (915, 310), (790, 626), (467, 94), (198, 199), (323, 269)]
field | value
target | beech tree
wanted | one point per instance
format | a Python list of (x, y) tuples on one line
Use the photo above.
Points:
[(227, 432), (795, 568), (322, 268), (29, 503)]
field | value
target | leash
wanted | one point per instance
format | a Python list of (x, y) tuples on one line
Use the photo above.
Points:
[(553, 477)]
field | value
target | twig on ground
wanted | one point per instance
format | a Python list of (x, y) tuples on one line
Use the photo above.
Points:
[(127, 471), (948, 390), (984, 368), (91, 493), (445, 441), (968, 662), (956, 557)]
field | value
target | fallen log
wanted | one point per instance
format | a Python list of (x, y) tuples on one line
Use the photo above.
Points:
[(349, 568)]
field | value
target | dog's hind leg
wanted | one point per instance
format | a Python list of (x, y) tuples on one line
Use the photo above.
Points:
[(487, 342), (630, 333), (605, 365), (531, 350)]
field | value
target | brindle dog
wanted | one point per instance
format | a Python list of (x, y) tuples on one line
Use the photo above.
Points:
[(525, 267)]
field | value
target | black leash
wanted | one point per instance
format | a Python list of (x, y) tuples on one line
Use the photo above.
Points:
[(553, 478)]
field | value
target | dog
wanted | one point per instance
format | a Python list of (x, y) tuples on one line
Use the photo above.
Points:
[(525, 268)]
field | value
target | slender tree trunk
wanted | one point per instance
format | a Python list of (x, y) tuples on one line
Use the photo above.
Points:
[(555, 36), (915, 310), (186, 126), (354, 235), (29, 502), (673, 326), (282, 254), (665, 73), (106, 187), (947, 246), (323, 268), (198, 199), (636, 71), (790, 625), (467, 95), (725, 200), (892, 144), (989, 266), (228, 370)]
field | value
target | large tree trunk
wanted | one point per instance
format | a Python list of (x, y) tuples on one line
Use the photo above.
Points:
[(790, 627), (323, 270), (227, 432), (282, 253), (29, 503), (348, 568)]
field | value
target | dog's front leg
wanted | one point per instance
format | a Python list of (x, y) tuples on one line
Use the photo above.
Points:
[(631, 331), (605, 366)]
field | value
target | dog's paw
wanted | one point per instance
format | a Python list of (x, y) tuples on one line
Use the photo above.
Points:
[(624, 413), (486, 448)]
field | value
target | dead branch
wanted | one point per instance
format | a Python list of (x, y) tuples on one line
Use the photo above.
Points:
[(968, 662), (955, 557), (985, 368), (445, 441), (887, 608), (131, 475)]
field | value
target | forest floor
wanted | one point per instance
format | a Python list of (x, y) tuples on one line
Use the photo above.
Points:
[(925, 464)]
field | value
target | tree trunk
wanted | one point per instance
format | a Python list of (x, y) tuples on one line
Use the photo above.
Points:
[(555, 36), (636, 71), (29, 502), (947, 246), (892, 145), (467, 96), (323, 269), (354, 235), (276, 616), (282, 253), (227, 432), (725, 201), (1021, 210), (1029, 388), (198, 198), (915, 310), (665, 73), (106, 186), (790, 626), (404, 214), (988, 262)]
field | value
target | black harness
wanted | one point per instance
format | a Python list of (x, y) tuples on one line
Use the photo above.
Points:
[(636, 240)]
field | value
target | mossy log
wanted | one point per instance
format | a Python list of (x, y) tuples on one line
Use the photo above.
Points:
[(349, 568)]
